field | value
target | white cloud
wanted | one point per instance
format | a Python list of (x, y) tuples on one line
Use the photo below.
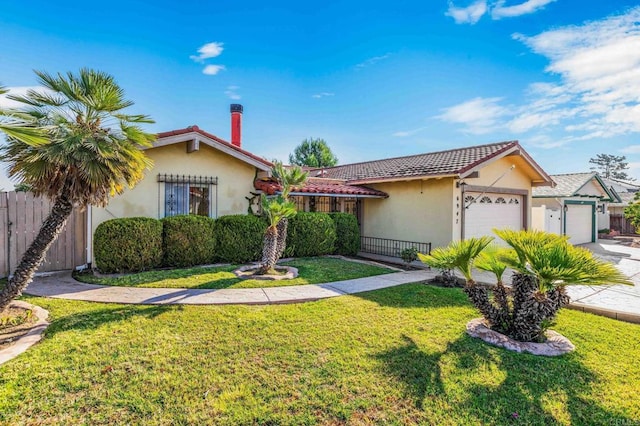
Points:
[(407, 133), (372, 61), (209, 50), (472, 13), (232, 93), (499, 10), (631, 149), (322, 95), (596, 93), (478, 116), (213, 69), (467, 15)]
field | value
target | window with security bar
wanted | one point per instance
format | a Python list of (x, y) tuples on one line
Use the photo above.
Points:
[(185, 194)]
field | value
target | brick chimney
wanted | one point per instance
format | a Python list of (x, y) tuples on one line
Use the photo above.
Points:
[(236, 124)]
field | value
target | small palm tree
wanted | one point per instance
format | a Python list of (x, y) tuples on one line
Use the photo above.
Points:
[(544, 265), (278, 210), (92, 152), (288, 179)]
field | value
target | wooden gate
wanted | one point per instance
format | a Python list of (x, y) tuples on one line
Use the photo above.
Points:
[(21, 215)]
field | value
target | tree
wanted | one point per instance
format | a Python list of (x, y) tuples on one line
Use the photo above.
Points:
[(313, 153), (544, 265), (92, 152), (632, 211), (278, 210), (611, 166)]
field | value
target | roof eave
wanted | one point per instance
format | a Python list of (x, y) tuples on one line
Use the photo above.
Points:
[(213, 143)]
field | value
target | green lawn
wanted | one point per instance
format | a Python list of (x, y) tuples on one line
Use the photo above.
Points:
[(313, 270), (395, 356)]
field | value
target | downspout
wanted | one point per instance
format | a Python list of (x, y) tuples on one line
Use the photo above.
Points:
[(89, 235), (564, 217)]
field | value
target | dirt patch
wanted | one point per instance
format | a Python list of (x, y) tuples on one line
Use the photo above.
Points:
[(15, 322)]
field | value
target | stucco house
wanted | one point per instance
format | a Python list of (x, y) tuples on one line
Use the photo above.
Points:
[(577, 206), (443, 196), (417, 200)]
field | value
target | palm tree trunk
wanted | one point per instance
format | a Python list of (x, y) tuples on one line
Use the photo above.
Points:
[(282, 237), (269, 250), (33, 257)]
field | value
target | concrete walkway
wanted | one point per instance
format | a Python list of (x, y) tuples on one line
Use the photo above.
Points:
[(62, 286), (620, 298)]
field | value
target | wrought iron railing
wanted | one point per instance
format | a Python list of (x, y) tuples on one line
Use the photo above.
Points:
[(387, 247)]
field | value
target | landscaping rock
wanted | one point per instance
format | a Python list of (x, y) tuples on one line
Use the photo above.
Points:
[(248, 272), (24, 341), (555, 345)]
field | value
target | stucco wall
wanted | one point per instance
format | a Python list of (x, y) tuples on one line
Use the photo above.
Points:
[(498, 175), (235, 182), (418, 211)]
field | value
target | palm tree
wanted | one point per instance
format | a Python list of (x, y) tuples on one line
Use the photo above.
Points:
[(92, 152), (544, 265), (278, 210)]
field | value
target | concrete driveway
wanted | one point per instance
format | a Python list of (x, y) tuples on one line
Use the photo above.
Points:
[(621, 298)]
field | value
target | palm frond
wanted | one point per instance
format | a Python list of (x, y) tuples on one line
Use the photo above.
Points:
[(458, 255), (491, 260)]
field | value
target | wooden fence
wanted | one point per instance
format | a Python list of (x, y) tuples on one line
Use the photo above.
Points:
[(621, 224), (21, 215)]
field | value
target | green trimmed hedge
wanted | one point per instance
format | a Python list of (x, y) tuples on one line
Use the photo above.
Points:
[(128, 245), (347, 234), (188, 240), (239, 238), (310, 234)]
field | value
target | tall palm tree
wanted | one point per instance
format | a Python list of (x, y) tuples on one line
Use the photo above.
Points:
[(92, 152), (278, 210)]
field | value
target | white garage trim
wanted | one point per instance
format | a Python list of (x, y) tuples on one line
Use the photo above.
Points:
[(580, 221), (485, 208)]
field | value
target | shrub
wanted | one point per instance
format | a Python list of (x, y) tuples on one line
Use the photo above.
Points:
[(188, 240), (238, 238), (128, 244), (347, 234), (310, 234)]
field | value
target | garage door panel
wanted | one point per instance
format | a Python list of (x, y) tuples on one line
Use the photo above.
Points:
[(579, 223), (488, 211)]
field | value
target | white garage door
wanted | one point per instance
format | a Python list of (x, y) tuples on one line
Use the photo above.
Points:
[(579, 223), (488, 211)]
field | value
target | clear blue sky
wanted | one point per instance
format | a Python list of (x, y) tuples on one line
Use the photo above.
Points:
[(374, 79)]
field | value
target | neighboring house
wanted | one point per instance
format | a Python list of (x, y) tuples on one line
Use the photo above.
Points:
[(194, 172), (441, 196), (626, 192), (576, 206)]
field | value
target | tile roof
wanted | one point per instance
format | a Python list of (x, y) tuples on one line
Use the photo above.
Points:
[(568, 185), (625, 190), (443, 163), (196, 129), (320, 186)]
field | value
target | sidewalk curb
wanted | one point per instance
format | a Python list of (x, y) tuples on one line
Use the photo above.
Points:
[(609, 313)]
